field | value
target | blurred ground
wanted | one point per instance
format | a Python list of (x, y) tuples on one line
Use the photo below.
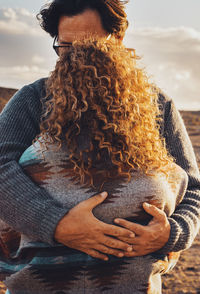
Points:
[(185, 278)]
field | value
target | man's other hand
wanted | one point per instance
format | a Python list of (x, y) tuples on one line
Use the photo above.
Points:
[(148, 238)]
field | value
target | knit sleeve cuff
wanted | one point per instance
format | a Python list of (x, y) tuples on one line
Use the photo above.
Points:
[(170, 246), (49, 223)]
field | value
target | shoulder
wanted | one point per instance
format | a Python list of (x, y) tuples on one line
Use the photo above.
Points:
[(33, 90), (28, 97), (170, 115), (164, 104), (38, 86)]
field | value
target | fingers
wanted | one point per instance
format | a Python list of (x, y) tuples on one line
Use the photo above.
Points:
[(117, 244), (108, 250), (136, 228), (130, 241), (135, 253), (154, 211), (95, 200), (117, 231), (95, 254)]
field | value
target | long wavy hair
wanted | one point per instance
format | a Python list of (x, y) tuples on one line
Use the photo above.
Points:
[(97, 91)]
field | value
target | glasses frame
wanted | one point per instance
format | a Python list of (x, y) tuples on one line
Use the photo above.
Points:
[(56, 47), (67, 44)]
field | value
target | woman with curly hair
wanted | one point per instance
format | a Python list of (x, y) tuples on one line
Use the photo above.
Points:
[(50, 197), (100, 132), (96, 89)]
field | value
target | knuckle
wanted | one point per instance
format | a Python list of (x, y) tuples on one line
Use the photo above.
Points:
[(112, 229), (94, 254), (100, 256), (123, 246), (153, 207), (154, 235), (97, 231), (116, 232), (106, 250), (111, 243), (86, 251), (163, 214), (97, 255), (144, 243), (111, 252)]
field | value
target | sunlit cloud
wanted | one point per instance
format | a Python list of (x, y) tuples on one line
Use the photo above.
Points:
[(171, 56), (36, 59), (24, 50), (21, 75), (18, 22)]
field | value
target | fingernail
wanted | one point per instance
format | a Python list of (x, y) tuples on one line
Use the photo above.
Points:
[(129, 249), (147, 204), (116, 221), (106, 258), (103, 194), (120, 254), (132, 235)]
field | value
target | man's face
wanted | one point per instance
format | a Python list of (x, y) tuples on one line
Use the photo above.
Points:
[(77, 27)]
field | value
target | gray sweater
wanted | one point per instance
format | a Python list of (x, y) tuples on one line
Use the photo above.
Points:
[(41, 268), (33, 211)]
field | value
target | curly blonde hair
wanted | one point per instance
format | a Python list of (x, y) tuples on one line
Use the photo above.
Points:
[(97, 89)]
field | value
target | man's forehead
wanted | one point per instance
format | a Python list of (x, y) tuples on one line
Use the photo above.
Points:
[(69, 36), (72, 27)]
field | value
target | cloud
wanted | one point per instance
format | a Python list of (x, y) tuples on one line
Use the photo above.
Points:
[(171, 56), (26, 52), (18, 21), (21, 75), (36, 59)]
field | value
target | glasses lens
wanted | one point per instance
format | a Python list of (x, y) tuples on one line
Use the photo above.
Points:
[(55, 45), (56, 49), (59, 48)]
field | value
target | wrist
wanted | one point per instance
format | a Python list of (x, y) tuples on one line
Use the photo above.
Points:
[(61, 228)]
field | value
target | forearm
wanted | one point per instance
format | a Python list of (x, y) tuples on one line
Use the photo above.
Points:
[(185, 221), (24, 205)]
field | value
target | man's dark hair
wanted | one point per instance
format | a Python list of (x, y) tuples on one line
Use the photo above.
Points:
[(112, 13)]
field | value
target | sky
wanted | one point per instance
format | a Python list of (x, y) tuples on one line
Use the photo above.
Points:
[(165, 34)]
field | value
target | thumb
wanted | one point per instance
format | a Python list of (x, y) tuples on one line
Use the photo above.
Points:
[(96, 200)]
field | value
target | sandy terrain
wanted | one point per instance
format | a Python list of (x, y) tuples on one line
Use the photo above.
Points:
[(185, 277)]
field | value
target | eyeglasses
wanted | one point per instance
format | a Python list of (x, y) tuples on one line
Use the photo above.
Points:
[(56, 45)]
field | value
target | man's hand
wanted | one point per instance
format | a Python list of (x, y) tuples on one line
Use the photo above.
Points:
[(80, 229), (148, 238)]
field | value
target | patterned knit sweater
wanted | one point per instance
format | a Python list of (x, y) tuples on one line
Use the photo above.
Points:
[(33, 211), (76, 272)]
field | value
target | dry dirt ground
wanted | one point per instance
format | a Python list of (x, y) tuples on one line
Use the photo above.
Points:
[(185, 277)]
